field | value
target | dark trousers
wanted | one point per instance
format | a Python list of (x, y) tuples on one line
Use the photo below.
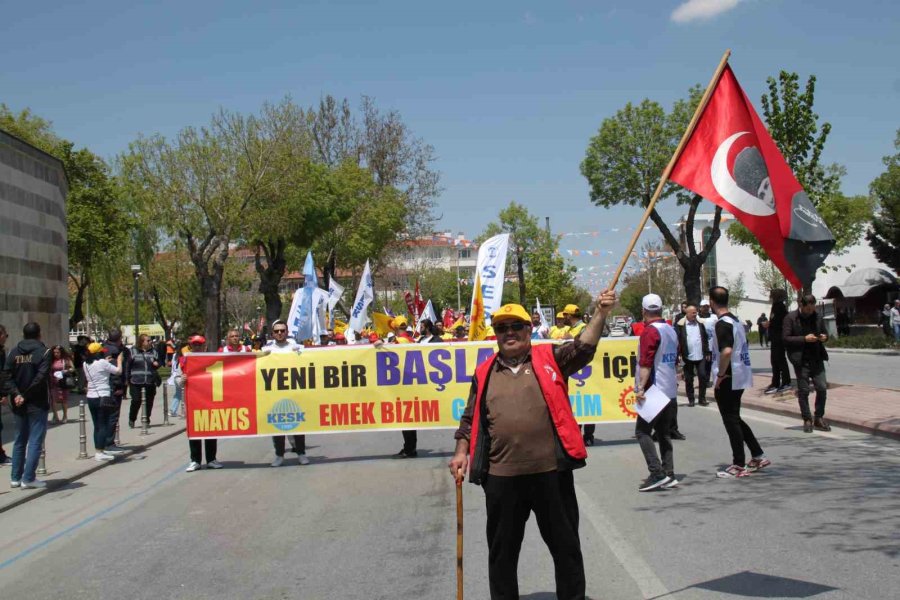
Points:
[(100, 418), (299, 444), (135, 409), (739, 433), (662, 425), (113, 422), (589, 430), (780, 373), (698, 367), (510, 501), (410, 440), (763, 337), (805, 372), (2, 452), (211, 446)]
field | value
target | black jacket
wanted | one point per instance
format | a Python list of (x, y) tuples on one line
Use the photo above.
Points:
[(794, 342), (26, 372), (118, 383), (682, 337)]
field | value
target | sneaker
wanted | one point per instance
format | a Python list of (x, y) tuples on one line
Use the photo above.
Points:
[(5, 460), (103, 457), (114, 450), (677, 435), (690, 403), (36, 484), (194, 466), (673, 482), (15, 484), (733, 472), (807, 426), (303, 459), (771, 389), (653, 482), (214, 464), (279, 460), (784, 388), (821, 424), (757, 464)]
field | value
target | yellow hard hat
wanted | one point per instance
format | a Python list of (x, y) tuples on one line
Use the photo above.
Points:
[(571, 309), (511, 312)]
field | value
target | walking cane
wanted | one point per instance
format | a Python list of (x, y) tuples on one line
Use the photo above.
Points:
[(459, 535)]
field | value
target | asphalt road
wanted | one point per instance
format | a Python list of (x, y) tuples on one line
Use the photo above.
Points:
[(820, 523), (848, 368)]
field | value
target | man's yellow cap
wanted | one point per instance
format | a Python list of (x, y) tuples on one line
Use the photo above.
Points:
[(560, 315), (511, 312), (571, 309)]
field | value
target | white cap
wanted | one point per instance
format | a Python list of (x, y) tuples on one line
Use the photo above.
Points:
[(704, 302), (652, 302)]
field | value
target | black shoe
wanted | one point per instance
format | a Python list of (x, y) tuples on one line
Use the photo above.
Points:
[(677, 435), (821, 424), (771, 389), (406, 454), (807, 426), (653, 482), (703, 403), (588, 440), (690, 402), (131, 424)]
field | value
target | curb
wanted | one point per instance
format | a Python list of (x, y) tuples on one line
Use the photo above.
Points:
[(864, 351), (894, 435), (59, 483)]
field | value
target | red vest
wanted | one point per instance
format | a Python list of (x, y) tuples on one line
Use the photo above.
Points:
[(555, 389)]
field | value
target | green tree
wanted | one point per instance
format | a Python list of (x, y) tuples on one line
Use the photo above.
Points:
[(622, 166), (202, 186), (884, 236), (794, 125), (96, 218), (524, 237)]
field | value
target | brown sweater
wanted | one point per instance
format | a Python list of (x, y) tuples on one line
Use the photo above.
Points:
[(519, 424)]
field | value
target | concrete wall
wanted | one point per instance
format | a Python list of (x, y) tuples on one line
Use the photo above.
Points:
[(33, 255)]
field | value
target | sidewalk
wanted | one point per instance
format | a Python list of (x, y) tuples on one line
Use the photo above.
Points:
[(858, 407), (62, 446)]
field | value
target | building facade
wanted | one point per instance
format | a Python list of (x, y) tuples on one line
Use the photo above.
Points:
[(33, 252)]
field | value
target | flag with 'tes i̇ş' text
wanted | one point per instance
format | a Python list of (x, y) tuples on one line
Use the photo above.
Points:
[(732, 161)]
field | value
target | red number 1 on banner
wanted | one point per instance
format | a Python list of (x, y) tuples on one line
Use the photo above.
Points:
[(217, 374)]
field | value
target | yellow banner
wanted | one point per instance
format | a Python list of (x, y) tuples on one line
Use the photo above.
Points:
[(363, 388)]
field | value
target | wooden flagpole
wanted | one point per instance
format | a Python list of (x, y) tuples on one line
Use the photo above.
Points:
[(668, 170), (459, 535)]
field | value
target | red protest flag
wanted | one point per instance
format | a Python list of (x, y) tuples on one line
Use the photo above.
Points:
[(731, 160), (420, 303)]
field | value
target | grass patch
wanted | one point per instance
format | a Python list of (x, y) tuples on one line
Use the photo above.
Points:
[(874, 341)]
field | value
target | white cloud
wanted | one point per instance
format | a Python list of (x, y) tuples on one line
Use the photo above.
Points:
[(701, 10)]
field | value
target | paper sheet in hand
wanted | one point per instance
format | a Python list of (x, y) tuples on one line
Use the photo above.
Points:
[(654, 401)]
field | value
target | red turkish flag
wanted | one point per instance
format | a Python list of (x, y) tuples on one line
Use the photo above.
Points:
[(732, 161)]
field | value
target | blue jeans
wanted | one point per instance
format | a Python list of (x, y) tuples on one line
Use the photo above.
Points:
[(100, 417), (897, 332), (30, 430), (176, 400)]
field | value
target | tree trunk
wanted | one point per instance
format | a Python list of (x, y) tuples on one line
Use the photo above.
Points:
[(157, 307), (208, 258), (693, 280), (271, 271), (78, 310), (520, 265)]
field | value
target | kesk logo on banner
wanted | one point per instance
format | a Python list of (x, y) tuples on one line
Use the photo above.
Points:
[(363, 388), (491, 267)]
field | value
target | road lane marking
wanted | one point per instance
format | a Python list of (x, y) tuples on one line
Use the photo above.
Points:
[(634, 564), (87, 520)]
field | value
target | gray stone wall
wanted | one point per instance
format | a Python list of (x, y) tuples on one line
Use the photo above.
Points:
[(33, 256)]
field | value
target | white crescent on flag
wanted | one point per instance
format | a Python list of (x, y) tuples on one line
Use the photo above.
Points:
[(728, 188)]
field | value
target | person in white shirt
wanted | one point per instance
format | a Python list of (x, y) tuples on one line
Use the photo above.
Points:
[(693, 343), (895, 320), (282, 344), (97, 370)]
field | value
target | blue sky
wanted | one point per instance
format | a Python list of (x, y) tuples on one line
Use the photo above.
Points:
[(508, 93)]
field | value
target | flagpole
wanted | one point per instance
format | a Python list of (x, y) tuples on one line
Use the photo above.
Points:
[(668, 170)]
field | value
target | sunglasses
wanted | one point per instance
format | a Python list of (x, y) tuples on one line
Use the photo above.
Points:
[(279, 331), (516, 327)]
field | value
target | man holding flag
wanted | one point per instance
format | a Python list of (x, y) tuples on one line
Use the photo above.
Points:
[(518, 439)]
